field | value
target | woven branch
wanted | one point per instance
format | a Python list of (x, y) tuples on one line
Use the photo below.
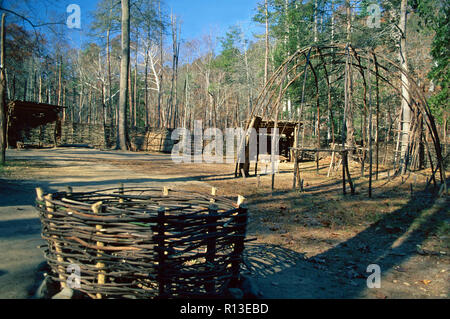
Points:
[(138, 243)]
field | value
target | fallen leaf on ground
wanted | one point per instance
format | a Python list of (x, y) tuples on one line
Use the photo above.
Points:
[(400, 269)]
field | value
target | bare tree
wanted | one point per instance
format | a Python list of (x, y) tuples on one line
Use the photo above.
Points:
[(124, 66), (405, 110), (266, 59)]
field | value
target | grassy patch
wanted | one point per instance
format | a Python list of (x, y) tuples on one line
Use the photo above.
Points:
[(443, 229), (12, 166)]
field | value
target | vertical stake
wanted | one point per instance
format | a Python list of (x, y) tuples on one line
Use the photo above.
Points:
[(50, 209), (214, 194), (161, 251), (241, 200), (121, 192), (211, 246), (241, 224), (101, 278)]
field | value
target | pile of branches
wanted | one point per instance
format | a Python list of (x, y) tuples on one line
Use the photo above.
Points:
[(143, 243)]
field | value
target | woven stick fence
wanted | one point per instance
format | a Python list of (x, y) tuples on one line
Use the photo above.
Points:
[(144, 242)]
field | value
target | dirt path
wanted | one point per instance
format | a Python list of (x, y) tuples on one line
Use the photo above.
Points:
[(315, 244)]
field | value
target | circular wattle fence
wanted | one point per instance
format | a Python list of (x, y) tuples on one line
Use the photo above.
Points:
[(143, 242)]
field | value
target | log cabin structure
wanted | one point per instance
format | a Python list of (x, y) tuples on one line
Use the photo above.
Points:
[(24, 115)]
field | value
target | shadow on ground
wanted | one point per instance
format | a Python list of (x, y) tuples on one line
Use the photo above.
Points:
[(340, 272)]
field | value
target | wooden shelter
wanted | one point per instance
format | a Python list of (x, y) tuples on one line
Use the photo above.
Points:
[(287, 131), (24, 115)]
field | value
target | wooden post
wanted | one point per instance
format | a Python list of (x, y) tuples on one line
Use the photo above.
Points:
[(166, 191), (241, 223), (50, 209), (241, 200), (352, 187), (161, 251), (121, 192), (332, 160), (377, 134), (40, 194), (101, 278), (344, 159), (258, 181), (211, 246), (214, 194), (296, 170)]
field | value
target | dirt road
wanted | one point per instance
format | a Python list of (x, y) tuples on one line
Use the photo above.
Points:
[(316, 244)]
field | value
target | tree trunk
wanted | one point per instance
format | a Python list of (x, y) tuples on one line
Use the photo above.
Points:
[(162, 68), (59, 81), (135, 104), (315, 22), (406, 111), (266, 60), (108, 58), (173, 90), (124, 66), (350, 127), (3, 113), (147, 113), (349, 20), (130, 95)]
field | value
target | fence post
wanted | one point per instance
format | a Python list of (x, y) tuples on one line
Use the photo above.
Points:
[(161, 251), (241, 225), (121, 192), (50, 209), (211, 246), (97, 208)]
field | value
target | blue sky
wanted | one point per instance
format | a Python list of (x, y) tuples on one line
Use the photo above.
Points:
[(198, 17)]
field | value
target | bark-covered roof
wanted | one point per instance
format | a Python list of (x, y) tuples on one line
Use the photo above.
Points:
[(23, 114)]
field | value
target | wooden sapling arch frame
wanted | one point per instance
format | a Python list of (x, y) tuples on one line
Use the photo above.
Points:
[(373, 68)]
